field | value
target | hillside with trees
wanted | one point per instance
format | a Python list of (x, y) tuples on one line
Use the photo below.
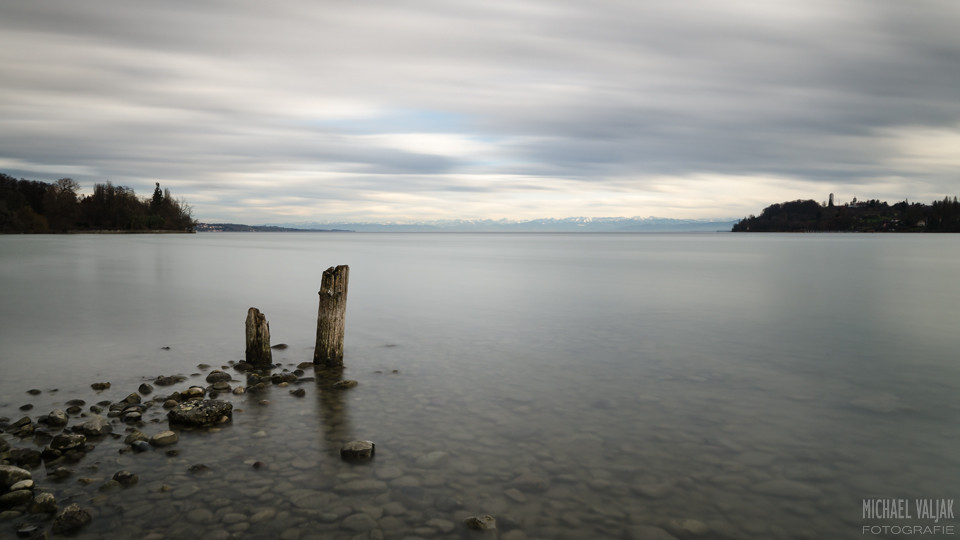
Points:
[(31, 206), (855, 216)]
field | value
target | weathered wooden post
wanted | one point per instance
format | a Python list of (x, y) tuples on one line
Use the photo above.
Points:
[(258, 339), (331, 317)]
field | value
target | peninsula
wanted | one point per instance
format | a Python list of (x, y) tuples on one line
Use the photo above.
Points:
[(855, 216)]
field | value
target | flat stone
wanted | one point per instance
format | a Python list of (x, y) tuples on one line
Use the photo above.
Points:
[(68, 441), (432, 459), (361, 486), (357, 450), (359, 522), (164, 438), (200, 516), (485, 522), (95, 426)]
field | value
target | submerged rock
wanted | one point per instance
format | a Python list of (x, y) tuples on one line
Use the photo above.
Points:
[(201, 412), (344, 384), (357, 450), (164, 438), (71, 519), (96, 425)]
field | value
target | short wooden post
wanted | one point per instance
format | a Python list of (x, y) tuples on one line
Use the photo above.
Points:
[(258, 339), (331, 317)]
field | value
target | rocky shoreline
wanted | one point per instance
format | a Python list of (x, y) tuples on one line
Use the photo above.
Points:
[(58, 443)]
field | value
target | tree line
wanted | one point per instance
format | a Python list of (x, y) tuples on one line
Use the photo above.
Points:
[(31, 206), (855, 216)]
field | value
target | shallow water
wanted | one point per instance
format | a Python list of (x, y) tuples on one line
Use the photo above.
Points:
[(572, 386)]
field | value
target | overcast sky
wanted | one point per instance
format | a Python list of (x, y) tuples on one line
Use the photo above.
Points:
[(309, 110)]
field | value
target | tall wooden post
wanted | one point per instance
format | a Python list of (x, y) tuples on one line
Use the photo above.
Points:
[(331, 317), (258, 339)]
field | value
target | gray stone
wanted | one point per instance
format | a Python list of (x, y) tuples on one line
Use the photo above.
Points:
[(96, 426), (10, 475), (136, 435), (201, 412), (164, 438), (361, 486), (217, 375), (71, 520), (126, 478), (145, 389), (359, 522), (15, 498), (357, 450), (433, 459), (57, 418), (68, 441), (44, 503), (23, 484), (344, 384), (485, 522)]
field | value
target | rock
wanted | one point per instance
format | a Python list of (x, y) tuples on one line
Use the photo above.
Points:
[(145, 388), (100, 386), (169, 380), (485, 522), (15, 498), (531, 483), (57, 418), (201, 412), (216, 376), (68, 441), (10, 475), (59, 473), (23, 484), (71, 520), (34, 391), (432, 459), (361, 486), (299, 392), (140, 446), (126, 478), (357, 450), (136, 435), (132, 398), (95, 426), (442, 525), (170, 403), (26, 406), (359, 522), (344, 384), (515, 495), (44, 503), (26, 457), (164, 438), (194, 392)]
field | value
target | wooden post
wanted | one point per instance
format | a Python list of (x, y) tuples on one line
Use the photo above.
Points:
[(331, 317), (258, 339)]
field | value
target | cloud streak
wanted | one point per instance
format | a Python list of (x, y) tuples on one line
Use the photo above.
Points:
[(522, 109)]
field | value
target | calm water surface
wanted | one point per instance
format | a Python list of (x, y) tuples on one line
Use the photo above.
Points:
[(573, 386)]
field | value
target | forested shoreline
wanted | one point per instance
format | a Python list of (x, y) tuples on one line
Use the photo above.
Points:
[(32, 206), (855, 216)]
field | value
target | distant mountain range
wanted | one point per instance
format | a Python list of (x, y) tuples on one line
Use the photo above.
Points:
[(573, 224)]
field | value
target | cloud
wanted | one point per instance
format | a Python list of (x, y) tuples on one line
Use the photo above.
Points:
[(525, 108)]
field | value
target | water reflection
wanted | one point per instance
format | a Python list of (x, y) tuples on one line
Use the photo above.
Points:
[(334, 421)]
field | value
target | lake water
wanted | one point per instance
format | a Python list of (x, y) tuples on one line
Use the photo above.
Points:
[(712, 386)]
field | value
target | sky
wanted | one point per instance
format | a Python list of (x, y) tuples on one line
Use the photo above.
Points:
[(416, 110)]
